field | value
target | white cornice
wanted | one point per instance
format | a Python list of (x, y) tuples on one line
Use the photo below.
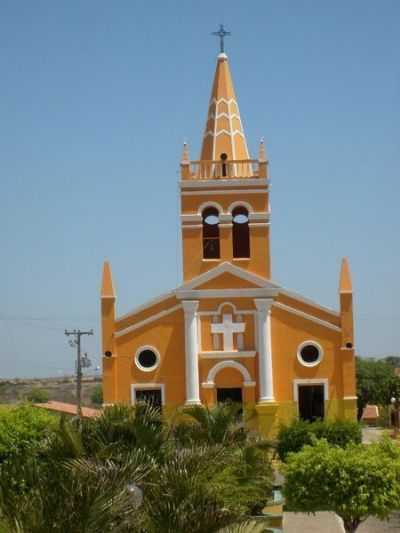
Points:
[(148, 320), (227, 267), (223, 192), (226, 293), (146, 305), (220, 182), (226, 355), (307, 316), (300, 298)]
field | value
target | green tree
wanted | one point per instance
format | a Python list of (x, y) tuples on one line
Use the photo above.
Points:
[(96, 396), (293, 437), (376, 382), (37, 395), (23, 427), (220, 424), (355, 482)]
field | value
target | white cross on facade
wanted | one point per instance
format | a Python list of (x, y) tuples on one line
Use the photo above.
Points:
[(227, 328)]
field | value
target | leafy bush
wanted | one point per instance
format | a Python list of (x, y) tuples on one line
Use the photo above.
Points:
[(21, 428), (339, 433), (86, 472), (97, 395), (354, 482), (37, 395)]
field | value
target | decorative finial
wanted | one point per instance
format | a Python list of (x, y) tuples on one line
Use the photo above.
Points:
[(221, 33), (185, 159), (262, 156)]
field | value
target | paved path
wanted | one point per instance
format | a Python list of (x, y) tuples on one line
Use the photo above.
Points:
[(370, 435), (325, 522)]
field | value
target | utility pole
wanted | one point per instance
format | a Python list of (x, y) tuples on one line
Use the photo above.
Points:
[(77, 333)]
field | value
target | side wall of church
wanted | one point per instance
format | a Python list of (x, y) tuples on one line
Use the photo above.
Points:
[(166, 336)]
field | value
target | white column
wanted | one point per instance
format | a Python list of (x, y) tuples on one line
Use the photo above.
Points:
[(191, 355), (264, 349)]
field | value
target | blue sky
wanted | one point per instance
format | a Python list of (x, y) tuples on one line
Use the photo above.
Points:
[(96, 99)]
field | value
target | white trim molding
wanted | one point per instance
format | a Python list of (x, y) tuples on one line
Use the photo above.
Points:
[(222, 192), (204, 205), (191, 217), (219, 182), (313, 381), (307, 316), (227, 267), (210, 383), (315, 345), (147, 386), (226, 293), (219, 354), (148, 320), (151, 349), (240, 203), (146, 305)]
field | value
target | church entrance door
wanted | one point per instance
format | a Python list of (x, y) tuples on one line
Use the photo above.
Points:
[(311, 402), (233, 395)]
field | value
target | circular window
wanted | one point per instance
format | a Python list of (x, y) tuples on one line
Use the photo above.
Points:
[(309, 353), (147, 358)]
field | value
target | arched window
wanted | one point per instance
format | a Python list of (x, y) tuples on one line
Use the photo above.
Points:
[(210, 233), (240, 232)]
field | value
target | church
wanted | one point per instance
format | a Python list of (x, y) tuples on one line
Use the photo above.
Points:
[(229, 332)]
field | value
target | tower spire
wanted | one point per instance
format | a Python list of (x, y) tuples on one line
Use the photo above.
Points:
[(223, 136), (345, 284), (107, 286), (346, 305)]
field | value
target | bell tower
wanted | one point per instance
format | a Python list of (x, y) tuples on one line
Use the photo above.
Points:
[(225, 212)]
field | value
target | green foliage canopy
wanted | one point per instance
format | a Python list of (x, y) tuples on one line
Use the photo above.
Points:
[(37, 395), (355, 482), (81, 476), (376, 381), (22, 428), (292, 438), (97, 395)]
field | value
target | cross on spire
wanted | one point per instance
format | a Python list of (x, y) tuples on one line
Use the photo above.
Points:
[(221, 33)]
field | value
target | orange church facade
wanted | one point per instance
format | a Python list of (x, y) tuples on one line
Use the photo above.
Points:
[(229, 331)]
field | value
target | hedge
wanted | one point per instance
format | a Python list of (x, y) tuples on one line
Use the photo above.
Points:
[(292, 438)]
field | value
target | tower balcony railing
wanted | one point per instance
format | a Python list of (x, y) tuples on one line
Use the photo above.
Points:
[(224, 169)]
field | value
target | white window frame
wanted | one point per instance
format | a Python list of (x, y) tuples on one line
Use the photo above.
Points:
[(144, 368), (320, 353), (147, 386), (314, 381)]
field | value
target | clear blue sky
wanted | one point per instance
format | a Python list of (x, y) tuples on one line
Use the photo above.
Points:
[(96, 98)]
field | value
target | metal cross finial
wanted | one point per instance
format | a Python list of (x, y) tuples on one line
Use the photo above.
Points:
[(221, 33)]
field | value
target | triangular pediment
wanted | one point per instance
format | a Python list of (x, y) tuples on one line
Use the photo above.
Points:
[(228, 276)]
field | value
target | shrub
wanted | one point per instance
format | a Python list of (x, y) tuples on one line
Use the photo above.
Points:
[(21, 428), (37, 395), (339, 433), (97, 395), (354, 482)]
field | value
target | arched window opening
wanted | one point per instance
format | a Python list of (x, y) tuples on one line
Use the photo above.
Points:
[(224, 157), (211, 233), (240, 231)]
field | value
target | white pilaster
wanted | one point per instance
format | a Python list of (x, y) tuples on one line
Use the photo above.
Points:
[(264, 349), (191, 355)]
